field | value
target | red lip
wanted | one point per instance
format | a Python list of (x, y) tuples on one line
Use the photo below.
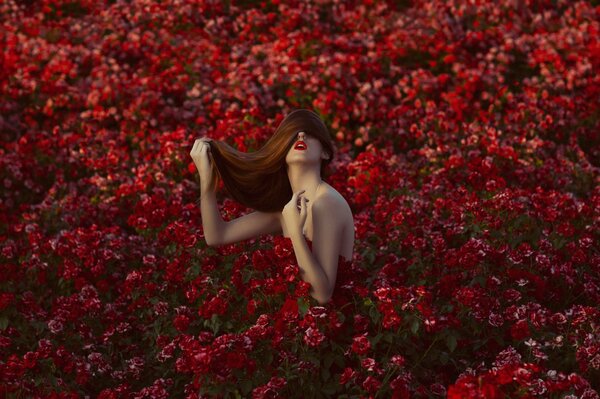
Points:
[(300, 145)]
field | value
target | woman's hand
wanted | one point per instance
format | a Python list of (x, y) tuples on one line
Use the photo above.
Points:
[(201, 155), (292, 217)]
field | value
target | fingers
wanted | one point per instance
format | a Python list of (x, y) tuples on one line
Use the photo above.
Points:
[(194, 147), (197, 145), (303, 207), (205, 142), (298, 199), (201, 142), (303, 199), (298, 195), (200, 148), (295, 196), (204, 151)]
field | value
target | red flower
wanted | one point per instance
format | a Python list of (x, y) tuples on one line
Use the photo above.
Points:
[(181, 322), (520, 330), (302, 289), (216, 305), (6, 299), (259, 260), (251, 307), (289, 310), (361, 323), (347, 375), (371, 384), (313, 337), (235, 360), (398, 360), (361, 344)]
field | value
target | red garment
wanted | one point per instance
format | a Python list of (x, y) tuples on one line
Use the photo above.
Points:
[(342, 292)]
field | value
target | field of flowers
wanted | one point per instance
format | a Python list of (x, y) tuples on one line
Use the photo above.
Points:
[(468, 138)]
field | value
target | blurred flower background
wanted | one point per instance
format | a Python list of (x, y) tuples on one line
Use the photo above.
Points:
[(468, 147)]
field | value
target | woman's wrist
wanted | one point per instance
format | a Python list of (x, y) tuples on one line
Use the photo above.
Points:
[(296, 232), (204, 191), (204, 186)]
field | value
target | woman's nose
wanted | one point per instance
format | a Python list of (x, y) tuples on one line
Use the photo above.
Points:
[(301, 135)]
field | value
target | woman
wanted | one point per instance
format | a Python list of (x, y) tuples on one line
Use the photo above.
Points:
[(282, 182)]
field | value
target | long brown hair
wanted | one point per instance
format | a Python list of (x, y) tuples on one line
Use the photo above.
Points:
[(259, 179)]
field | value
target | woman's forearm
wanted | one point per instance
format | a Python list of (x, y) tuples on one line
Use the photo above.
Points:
[(310, 269), (212, 223)]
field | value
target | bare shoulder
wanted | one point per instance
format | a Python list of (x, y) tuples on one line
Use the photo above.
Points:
[(330, 196), (330, 200)]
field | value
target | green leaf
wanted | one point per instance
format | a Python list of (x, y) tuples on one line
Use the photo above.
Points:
[(330, 388), (388, 338), (451, 342), (374, 314), (479, 279), (371, 257), (303, 306), (376, 339), (268, 357), (246, 386), (339, 361), (193, 271), (414, 326), (447, 308), (444, 357), (3, 322), (311, 357), (328, 360), (215, 323)]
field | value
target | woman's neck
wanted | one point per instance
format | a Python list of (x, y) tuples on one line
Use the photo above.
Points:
[(304, 179)]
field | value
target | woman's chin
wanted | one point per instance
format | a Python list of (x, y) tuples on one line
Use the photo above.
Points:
[(301, 159)]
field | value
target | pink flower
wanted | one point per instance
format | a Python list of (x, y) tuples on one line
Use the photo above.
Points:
[(55, 326), (398, 360)]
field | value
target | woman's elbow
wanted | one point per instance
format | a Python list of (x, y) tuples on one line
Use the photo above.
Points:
[(322, 299), (211, 242)]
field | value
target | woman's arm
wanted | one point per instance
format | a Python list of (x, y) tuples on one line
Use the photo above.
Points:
[(219, 232), (212, 223), (319, 267), (216, 230)]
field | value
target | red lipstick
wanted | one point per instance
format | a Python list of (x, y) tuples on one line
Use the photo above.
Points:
[(300, 145)]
